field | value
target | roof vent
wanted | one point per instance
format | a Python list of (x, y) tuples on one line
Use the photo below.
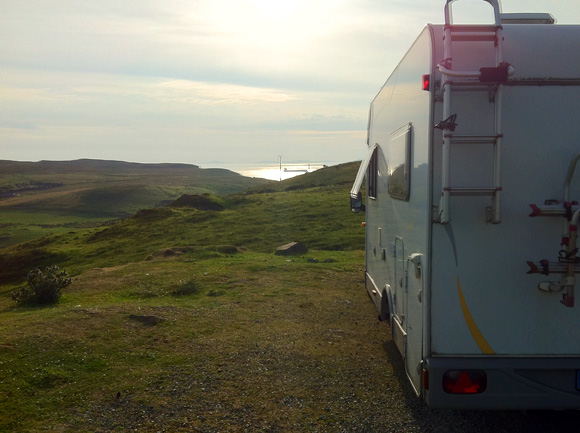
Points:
[(528, 18)]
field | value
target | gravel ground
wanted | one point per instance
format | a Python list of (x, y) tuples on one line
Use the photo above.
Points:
[(394, 410), (320, 364)]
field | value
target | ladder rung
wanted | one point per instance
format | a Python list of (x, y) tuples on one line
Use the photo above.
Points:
[(473, 36), (473, 28), (470, 85), (474, 138), (472, 191)]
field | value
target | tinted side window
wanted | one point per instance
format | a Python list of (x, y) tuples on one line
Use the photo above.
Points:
[(399, 162), (372, 175)]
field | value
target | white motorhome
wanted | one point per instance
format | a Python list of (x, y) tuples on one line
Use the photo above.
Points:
[(470, 220)]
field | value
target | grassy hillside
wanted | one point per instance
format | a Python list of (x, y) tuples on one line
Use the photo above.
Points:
[(50, 197), (313, 209), (184, 319)]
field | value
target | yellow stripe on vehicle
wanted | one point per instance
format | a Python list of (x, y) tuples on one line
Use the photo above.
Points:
[(475, 332)]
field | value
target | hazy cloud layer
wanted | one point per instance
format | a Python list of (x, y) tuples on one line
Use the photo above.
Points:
[(203, 80)]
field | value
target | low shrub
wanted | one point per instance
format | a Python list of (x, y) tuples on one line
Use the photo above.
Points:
[(185, 288), (42, 287)]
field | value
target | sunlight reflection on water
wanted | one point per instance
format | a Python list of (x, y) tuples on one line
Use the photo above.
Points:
[(269, 171)]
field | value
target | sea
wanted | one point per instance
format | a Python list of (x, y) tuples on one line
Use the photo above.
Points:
[(271, 171)]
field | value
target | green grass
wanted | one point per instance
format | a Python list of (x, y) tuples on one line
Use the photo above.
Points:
[(236, 322), (18, 225), (58, 362), (80, 209)]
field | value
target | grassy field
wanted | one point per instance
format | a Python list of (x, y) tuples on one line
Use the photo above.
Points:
[(186, 320), (238, 338), (313, 209)]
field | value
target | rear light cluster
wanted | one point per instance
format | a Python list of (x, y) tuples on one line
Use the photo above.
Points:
[(426, 82), (464, 381)]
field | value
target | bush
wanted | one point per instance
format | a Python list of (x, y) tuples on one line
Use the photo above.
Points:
[(185, 288), (42, 287)]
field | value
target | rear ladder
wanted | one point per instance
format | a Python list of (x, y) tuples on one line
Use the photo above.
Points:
[(485, 79)]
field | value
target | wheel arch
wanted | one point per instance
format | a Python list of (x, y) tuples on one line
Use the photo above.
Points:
[(386, 309)]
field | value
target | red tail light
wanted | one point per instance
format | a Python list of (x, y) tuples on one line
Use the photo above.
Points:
[(464, 381), (426, 81)]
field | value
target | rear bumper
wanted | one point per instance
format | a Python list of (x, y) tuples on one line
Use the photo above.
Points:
[(512, 383)]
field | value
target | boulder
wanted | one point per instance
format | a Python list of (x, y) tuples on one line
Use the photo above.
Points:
[(291, 248)]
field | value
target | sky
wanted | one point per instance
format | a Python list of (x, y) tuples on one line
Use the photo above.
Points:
[(206, 82)]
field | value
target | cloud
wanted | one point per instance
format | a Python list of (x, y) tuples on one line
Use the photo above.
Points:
[(201, 80), (220, 93)]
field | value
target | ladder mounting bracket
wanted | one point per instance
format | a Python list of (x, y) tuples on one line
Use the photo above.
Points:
[(448, 123), (497, 74)]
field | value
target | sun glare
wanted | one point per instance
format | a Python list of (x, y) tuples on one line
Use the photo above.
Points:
[(269, 24), (277, 10)]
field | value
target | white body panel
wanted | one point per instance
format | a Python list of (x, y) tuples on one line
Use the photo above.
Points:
[(541, 131), (461, 290)]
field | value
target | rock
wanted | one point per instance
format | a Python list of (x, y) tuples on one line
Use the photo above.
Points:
[(291, 248), (169, 252)]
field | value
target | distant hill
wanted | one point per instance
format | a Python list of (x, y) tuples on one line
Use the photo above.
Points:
[(110, 187), (38, 198), (16, 175)]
